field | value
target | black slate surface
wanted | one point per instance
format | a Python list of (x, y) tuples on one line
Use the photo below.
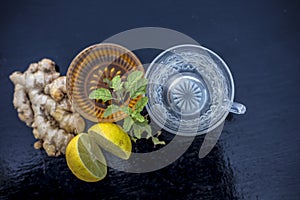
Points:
[(257, 156)]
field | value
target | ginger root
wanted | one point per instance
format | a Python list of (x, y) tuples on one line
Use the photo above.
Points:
[(42, 103)]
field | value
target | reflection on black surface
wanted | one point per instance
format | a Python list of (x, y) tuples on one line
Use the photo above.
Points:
[(40, 176)]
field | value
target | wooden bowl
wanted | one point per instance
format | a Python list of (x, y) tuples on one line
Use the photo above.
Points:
[(86, 73)]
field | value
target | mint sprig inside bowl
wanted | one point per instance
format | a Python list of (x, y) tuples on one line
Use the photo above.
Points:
[(135, 85)]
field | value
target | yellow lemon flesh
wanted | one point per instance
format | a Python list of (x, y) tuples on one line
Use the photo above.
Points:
[(112, 138), (85, 159)]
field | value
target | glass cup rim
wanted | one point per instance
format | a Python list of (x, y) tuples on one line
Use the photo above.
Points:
[(227, 71)]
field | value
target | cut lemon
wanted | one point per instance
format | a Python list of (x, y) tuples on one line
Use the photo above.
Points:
[(85, 159), (112, 138)]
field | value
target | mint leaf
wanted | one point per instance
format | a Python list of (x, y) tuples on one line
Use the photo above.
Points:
[(138, 88), (156, 141), (158, 133), (139, 128), (107, 81), (148, 130), (128, 122), (137, 131), (116, 83), (138, 117), (101, 94), (136, 84), (132, 80), (119, 95), (126, 110), (111, 109), (134, 76), (133, 139), (139, 106)]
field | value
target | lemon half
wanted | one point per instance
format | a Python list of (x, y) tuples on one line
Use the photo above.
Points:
[(112, 138), (85, 159)]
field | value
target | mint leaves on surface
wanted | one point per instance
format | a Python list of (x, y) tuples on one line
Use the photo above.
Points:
[(135, 124)]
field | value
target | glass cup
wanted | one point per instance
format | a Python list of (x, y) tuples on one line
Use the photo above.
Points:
[(190, 90)]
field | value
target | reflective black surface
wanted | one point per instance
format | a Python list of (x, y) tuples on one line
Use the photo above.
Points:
[(257, 156)]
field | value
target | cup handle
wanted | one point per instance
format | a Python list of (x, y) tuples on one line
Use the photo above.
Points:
[(237, 108)]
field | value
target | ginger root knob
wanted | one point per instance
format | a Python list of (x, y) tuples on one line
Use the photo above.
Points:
[(40, 98)]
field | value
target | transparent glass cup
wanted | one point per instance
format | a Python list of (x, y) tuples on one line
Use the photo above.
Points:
[(190, 90)]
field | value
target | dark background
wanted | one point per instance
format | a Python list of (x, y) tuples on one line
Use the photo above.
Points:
[(258, 154)]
